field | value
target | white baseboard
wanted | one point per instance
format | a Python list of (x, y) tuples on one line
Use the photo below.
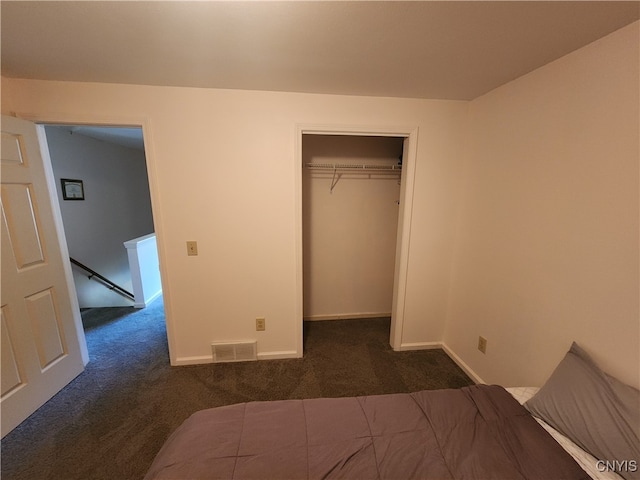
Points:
[(450, 353), (405, 347), (147, 301), (346, 316), (467, 369), (278, 355), (181, 361)]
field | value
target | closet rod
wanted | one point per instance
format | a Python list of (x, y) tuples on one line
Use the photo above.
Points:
[(345, 166)]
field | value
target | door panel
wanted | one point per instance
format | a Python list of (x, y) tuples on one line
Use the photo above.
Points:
[(11, 377), (41, 349), (22, 224), (45, 325), (11, 150)]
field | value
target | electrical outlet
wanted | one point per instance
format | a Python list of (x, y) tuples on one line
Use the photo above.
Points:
[(260, 324), (482, 344), (192, 248)]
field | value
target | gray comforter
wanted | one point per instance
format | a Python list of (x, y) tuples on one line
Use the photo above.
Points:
[(477, 432)]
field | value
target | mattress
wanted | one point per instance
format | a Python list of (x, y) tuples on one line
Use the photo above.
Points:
[(479, 431)]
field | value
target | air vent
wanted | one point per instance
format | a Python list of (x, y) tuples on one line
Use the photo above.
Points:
[(234, 352)]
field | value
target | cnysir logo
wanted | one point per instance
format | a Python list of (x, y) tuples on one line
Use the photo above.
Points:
[(617, 466)]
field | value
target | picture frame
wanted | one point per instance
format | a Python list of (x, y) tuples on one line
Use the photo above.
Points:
[(72, 189)]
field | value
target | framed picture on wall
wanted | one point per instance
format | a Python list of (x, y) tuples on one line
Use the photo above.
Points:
[(72, 189)]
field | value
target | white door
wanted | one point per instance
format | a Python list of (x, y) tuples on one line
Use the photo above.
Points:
[(40, 323)]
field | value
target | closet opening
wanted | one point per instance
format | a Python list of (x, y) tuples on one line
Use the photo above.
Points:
[(354, 227)]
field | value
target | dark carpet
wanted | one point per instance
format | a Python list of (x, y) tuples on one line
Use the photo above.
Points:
[(112, 419)]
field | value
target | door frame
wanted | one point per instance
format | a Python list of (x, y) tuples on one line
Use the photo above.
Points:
[(410, 134), (144, 123)]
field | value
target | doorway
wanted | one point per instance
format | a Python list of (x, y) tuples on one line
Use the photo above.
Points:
[(113, 210), (351, 193), (407, 138)]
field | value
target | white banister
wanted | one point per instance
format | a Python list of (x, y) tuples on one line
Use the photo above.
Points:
[(145, 269)]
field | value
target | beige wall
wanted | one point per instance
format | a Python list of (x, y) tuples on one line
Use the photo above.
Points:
[(349, 233), (543, 216), (547, 242), (222, 170)]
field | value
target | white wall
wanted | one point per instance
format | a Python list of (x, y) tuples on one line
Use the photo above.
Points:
[(116, 208), (547, 243), (223, 172), (349, 233)]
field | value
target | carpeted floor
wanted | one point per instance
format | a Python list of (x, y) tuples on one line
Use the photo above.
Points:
[(111, 421)]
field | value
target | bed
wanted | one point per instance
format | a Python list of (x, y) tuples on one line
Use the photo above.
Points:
[(476, 432)]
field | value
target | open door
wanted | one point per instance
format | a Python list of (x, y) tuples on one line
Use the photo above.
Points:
[(42, 347)]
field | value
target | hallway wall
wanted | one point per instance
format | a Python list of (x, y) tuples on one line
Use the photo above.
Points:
[(117, 208)]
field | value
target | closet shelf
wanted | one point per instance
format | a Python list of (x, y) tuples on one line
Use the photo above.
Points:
[(347, 166), (381, 169)]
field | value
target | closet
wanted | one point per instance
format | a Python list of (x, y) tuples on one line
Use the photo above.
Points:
[(350, 205)]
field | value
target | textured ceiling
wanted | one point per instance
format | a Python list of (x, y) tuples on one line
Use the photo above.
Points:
[(439, 50)]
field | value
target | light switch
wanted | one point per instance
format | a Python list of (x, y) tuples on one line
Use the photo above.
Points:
[(482, 344), (192, 248)]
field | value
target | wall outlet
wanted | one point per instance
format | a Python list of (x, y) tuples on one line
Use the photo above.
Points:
[(260, 324), (192, 248), (482, 344)]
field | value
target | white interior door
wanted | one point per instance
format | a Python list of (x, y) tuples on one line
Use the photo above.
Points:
[(43, 347)]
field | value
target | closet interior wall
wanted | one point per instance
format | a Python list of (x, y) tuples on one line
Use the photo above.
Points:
[(350, 223)]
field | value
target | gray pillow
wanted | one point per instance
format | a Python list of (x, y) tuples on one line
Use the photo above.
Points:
[(596, 411)]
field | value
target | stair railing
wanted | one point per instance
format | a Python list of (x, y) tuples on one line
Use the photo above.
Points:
[(105, 281)]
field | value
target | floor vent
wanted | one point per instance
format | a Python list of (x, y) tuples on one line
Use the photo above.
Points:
[(234, 352)]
